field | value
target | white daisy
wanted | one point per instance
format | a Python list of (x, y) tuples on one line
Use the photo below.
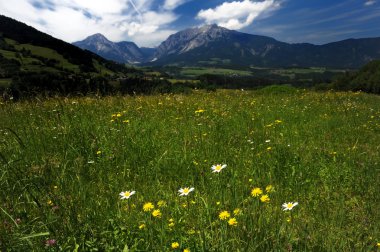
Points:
[(185, 191), (289, 206), (218, 167), (126, 194)]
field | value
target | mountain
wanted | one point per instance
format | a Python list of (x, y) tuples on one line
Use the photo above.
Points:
[(214, 45), (122, 52), (20, 40)]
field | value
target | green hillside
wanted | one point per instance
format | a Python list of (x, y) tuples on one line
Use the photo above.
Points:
[(34, 62)]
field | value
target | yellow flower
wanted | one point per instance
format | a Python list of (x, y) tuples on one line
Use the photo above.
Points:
[(98, 152), (232, 222), (256, 192), (224, 215), (142, 226), (237, 211), (118, 115), (171, 224), (50, 202), (199, 111), (186, 250), (265, 198), (269, 188), (269, 148), (218, 203), (378, 244), (156, 213), (175, 245), (161, 203), (148, 206), (126, 121)]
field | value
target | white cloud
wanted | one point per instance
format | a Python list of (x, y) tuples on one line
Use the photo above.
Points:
[(73, 20), (173, 4), (370, 2), (238, 14)]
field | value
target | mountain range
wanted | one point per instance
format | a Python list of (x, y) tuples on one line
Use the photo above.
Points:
[(214, 45)]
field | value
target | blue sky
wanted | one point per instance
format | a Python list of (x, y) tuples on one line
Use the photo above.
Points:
[(149, 22)]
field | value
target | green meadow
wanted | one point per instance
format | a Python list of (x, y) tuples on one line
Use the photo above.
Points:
[(64, 162)]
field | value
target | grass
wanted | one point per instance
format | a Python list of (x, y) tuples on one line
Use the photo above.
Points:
[(65, 161), (195, 71), (49, 54)]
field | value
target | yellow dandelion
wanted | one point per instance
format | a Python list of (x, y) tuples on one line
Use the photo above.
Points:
[(118, 115), (142, 226), (175, 245), (378, 245), (156, 213), (265, 198), (148, 206), (232, 222), (186, 250), (224, 215), (269, 188), (256, 192), (161, 203), (237, 211)]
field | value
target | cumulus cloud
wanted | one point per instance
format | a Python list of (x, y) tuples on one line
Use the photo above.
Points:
[(173, 4), (73, 20), (370, 2), (238, 14)]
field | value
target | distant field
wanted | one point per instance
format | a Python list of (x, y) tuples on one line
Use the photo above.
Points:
[(194, 72), (5, 82), (66, 160)]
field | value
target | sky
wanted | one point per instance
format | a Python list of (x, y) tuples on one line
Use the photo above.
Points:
[(149, 22)]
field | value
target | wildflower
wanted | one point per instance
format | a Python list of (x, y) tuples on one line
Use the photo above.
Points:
[(156, 213), (269, 148), (118, 115), (218, 167), (269, 188), (50, 202), (126, 194), (256, 192), (161, 203), (171, 224), (199, 111), (378, 245), (289, 206), (175, 245), (55, 187), (237, 211), (142, 226), (224, 215), (265, 198), (218, 203), (126, 121), (50, 242), (98, 152), (185, 191), (232, 222), (191, 232), (148, 206), (186, 250)]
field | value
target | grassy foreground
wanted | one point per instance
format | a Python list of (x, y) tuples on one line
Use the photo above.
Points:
[(65, 161)]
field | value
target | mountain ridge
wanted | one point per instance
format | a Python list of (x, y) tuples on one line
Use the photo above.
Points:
[(215, 45)]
